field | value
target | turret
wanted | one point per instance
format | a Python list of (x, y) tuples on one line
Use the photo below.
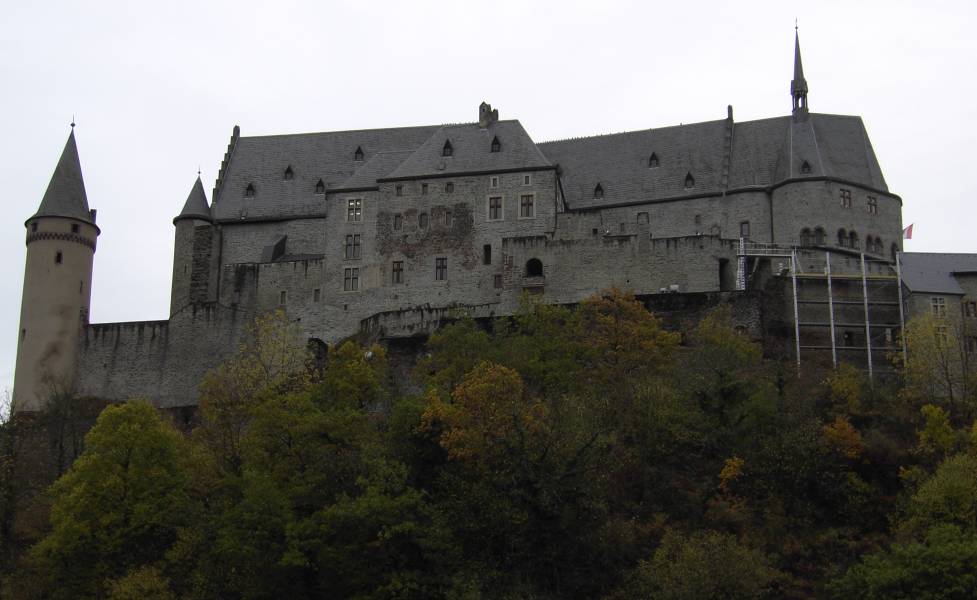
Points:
[(194, 259), (61, 238), (798, 85)]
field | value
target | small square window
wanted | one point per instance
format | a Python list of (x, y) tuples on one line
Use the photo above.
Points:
[(493, 182), (745, 229), (449, 187), (74, 228), (424, 188), (497, 281), (972, 309), (316, 295), (397, 272), (527, 179), (399, 190)]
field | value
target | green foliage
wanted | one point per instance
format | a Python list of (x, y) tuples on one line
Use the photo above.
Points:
[(948, 497), (120, 504), (143, 583), (705, 564)]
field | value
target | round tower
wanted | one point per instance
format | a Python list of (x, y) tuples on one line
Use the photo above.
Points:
[(193, 267), (61, 238)]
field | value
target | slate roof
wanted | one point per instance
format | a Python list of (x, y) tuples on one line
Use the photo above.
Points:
[(933, 271), (65, 195), (764, 152), (381, 165), (196, 204), (471, 151), (261, 161)]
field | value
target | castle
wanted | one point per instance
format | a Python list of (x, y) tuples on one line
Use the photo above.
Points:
[(390, 229)]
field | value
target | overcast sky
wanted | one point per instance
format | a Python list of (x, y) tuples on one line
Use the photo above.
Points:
[(156, 91)]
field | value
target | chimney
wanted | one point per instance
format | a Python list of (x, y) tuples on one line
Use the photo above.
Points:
[(486, 115)]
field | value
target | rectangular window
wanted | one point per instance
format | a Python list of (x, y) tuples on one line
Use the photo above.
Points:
[(351, 279), (527, 179), (495, 208), (698, 219), (745, 229), (873, 206), (449, 188), (497, 281), (487, 254), (493, 182), (74, 228), (440, 269), (527, 206), (398, 222), (353, 246), (316, 295), (845, 198), (447, 218), (282, 297), (397, 272), (971, 308), (424, 188), (354, 210), (399, 190), (938, 305)]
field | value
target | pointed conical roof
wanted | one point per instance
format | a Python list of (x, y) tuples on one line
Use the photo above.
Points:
[(196, 205), (65, 195), (799, 84)]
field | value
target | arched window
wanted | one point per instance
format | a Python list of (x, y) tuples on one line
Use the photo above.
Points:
[(320, 188), (820, 238), (842, 238), (496, 145), (853, 240), (534, 268), (689, 180), (805, 237), (358, 155), (653, 161), (289, 173), (598, 192), (805, 167), (447, 149), (249, 191), (879, 246)]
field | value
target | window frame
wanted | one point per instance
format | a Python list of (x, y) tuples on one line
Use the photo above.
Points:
[(527, 178), (844, 195), (351, 279), (353, 247), (501, 207), (398, 223), (354, 210), (938, 306), (397, 272), (441, 268), (747, 224), (873, 205), (522, 205), (494, 182)]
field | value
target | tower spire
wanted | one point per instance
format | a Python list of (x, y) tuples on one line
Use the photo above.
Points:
[(65, 195), (798, 86)]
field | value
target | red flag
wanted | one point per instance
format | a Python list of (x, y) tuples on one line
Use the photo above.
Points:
[(907, 233)]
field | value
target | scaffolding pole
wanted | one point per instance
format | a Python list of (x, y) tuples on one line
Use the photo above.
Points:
[(868, 323), (797, 321), (902, 318), (831, 310)]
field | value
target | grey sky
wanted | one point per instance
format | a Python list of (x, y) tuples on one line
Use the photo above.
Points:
[(157, 87)]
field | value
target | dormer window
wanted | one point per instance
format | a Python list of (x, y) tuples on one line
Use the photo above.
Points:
[(653, 161), (689, 181), (496, 145), (598, 192), (249, 191), (289, 173), (320, 188), (805, 167), (358, 155), (447, 149)]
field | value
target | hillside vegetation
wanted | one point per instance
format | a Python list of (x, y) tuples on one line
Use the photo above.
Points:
[(566, 453)]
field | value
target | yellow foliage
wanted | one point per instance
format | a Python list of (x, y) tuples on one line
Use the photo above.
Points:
[(843, 438), (732, 469), (847, 386)]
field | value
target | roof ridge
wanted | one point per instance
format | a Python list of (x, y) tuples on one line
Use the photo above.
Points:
[(335, 131)]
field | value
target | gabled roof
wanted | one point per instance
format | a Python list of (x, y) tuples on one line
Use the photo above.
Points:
[(261, 161), (472, 151), (65, 195), (381, 165), (933, 272), (763, 153), (196, 205)]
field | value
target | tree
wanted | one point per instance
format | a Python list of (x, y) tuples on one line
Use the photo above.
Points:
[(119, 505), (939, 369)]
